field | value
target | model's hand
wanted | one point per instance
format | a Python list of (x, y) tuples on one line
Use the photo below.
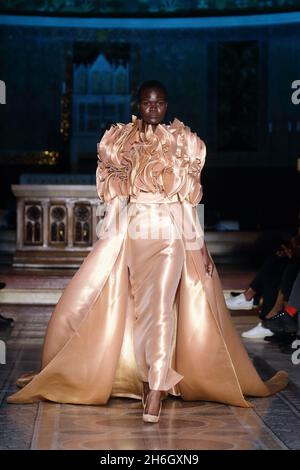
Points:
[(208, 262)]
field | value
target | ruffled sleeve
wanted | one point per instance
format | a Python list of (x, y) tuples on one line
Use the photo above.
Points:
[(112, 174), (193, 153)]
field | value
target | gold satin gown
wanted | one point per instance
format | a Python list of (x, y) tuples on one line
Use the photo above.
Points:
[(142, 308), (155, 266)]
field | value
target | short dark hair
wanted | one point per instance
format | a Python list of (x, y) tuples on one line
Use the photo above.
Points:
[(151, 84)]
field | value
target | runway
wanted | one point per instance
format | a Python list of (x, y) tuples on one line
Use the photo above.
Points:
[(273, 424)]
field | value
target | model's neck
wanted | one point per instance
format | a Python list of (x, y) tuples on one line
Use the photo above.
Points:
[(145, 125)]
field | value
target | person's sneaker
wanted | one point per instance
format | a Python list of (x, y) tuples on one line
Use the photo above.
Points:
[(282, 322), (279, 338), (5, 320), (239, 302), (287, 348), (256, 298), (258, 332)]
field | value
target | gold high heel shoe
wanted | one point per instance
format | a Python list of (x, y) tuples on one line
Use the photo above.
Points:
[(148, 418), (144, 396), (144, 400)]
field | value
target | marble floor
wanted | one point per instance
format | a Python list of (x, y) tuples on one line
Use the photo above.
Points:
[(272, 424)]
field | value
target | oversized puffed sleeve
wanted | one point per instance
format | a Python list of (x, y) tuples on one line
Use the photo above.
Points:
[(112, 169), (194, 154)]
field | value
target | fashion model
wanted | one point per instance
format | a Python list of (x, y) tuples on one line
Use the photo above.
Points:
[(145, 315)]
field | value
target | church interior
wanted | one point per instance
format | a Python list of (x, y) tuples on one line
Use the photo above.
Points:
[(68, 70)]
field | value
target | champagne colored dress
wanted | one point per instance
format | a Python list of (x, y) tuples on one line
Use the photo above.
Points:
[(141, 307)]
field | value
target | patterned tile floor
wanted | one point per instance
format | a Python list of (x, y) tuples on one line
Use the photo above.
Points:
[(273, 424)]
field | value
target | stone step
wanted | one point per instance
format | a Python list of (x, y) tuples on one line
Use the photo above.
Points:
[(30, 296), (38, 296), (226, 248)]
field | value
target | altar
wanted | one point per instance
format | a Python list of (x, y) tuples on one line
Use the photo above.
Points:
[(56, 224)]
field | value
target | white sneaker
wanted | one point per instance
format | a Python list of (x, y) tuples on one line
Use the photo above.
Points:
[(258, 332), (239, 303)]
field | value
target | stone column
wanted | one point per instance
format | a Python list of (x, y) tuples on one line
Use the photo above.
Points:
[(70, 211), (45, 228)]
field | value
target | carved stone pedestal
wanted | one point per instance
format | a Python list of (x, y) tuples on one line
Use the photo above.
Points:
[(56, 224)]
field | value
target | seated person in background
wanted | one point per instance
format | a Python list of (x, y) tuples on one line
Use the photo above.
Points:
[(3, 320), (287, 320), (274, 283)]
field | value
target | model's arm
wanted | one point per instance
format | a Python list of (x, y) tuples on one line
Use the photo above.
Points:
[(197, 152), (112, 173)]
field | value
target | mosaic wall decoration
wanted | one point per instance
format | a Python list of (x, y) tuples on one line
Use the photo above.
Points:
[(145, 7)]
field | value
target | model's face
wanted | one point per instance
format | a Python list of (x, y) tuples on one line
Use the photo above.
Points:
[(152, 106)]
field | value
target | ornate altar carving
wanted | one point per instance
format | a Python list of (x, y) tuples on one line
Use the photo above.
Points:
[(56, 224)]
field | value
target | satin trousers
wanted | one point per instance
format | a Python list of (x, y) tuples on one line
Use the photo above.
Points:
[(155, 257)]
